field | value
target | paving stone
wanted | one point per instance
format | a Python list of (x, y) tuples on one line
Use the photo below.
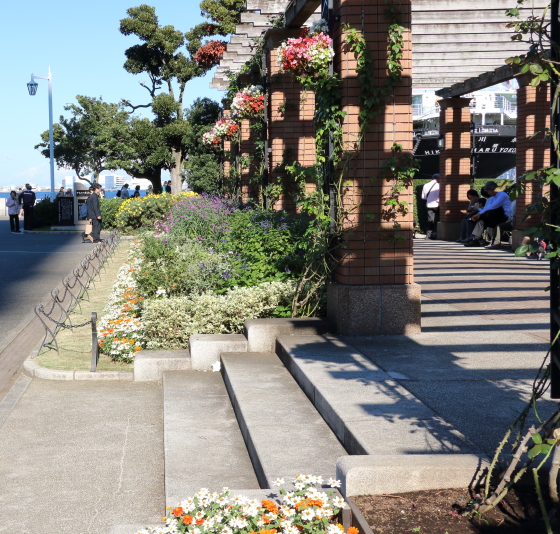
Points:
[(203, 444), (370, 412), (284, 433)]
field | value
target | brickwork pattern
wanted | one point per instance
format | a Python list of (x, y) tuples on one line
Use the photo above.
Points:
[(454, 158), (290, 110), (369, 256), (533, 115), (249, 179)]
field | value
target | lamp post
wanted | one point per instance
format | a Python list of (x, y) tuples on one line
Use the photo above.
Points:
[(32, 88)]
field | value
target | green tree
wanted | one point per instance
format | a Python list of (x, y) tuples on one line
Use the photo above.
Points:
[(140, 148), (169, 69), (80, 141), (202, 168)]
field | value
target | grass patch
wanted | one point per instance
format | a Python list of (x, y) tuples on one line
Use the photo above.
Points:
[(75, 345)]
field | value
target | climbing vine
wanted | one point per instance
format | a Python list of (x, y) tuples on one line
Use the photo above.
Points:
[(400, 169)]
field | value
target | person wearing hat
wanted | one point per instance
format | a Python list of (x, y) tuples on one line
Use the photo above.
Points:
[(430, 193), (496, 211)]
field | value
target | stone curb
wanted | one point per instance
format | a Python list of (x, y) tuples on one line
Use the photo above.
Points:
[(388, 474), (34, 370)]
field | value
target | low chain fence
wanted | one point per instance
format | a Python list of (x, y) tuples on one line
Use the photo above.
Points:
[(57, 316)]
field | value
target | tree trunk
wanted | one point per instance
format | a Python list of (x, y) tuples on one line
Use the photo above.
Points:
[(176, 172)]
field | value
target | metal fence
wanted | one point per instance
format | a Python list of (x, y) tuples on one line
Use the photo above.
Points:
[(75, 287)]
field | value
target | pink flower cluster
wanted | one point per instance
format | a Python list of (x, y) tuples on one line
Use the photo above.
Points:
[(210, 138), (249, 103), (307, 55), (223, 129)]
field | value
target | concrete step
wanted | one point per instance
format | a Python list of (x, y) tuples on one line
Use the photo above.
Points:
[(367, 409), (284, 433), (203, 445)]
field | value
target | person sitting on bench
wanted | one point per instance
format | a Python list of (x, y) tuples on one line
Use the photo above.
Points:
[(502, 229), (496, 211), (466, 224)]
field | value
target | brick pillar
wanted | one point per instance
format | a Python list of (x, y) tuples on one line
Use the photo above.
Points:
[(248, 185), (290, 128), (373, 291), (228, 163), (454, 165), (533, 115)]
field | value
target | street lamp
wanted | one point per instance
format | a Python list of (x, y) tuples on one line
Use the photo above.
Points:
[(32, 88)]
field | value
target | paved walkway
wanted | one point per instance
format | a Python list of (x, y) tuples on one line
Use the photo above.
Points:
[(484, 334), (30, 266), (79, 457)]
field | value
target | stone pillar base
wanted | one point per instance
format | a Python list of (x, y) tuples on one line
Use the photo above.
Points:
[(448, 231), (374, 310), (517, 239)]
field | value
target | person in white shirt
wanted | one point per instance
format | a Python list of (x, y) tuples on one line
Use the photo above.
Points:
[(496, 212), (430, 193)]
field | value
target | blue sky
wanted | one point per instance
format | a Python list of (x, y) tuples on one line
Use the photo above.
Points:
[(82, 44)]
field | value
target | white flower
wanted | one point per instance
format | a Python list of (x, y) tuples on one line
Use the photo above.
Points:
[(278, 482), (333, 483), (308, 514)]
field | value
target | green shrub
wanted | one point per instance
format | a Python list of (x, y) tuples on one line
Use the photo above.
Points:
[(175, 267), (270, 243), (46, 212), (109, 208), (169, 322)]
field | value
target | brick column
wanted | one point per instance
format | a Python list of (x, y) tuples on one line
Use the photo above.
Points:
[(248, 186), (227, 164), (533, 115), (454, 165), (373, 290), (290, 128)]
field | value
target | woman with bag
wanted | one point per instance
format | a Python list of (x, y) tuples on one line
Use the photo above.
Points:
[(13, 211)]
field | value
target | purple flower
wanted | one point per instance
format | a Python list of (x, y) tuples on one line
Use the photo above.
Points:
[(226, 275)]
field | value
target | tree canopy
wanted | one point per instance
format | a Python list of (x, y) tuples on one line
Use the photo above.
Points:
[(202, 168), (166, 57), (80, 141)]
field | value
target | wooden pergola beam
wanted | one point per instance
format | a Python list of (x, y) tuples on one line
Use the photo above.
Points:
[(502, 74)]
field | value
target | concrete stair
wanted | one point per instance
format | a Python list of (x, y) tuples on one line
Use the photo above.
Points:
[(367, 409), (284, 433), (204, 447)]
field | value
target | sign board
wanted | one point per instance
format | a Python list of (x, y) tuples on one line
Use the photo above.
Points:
[(65, 211)]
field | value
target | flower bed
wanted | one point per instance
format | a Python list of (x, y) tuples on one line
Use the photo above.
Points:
[(121, 335), (309, 54), (134, 213), (249, 103), (307, 509)]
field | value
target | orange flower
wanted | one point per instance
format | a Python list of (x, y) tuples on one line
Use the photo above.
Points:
[(353, 530), (199, 521), (178, 511), (270, 506), (308, 503), (187, 519)]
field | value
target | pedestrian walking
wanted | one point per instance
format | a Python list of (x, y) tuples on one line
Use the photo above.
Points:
[(94, 214), (13, 211), (430, 193), (168, 187), (27, 198)]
